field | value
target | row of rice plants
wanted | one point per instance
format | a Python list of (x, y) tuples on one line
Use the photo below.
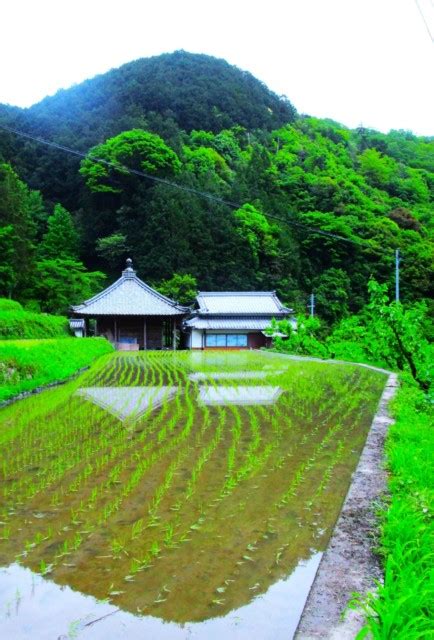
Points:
[(273, 531), (98, 448), (177, 484)]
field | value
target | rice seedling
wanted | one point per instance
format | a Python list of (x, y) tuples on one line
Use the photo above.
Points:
[(175, 494)]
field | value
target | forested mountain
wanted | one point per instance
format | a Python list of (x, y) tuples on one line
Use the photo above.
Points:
[(199, 123)]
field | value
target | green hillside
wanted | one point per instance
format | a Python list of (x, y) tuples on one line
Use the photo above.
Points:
[(208, 127)]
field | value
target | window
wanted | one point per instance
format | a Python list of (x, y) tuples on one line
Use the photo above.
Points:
[(226, 340), (211, 340)]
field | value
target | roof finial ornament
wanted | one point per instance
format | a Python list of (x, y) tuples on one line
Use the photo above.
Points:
[(129, 272)]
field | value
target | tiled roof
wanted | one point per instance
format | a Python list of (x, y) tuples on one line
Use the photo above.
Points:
[(240, 302), (229, 323), (130, 296)]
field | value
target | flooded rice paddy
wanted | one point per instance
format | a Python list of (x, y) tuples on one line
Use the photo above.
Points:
[(176, 495)]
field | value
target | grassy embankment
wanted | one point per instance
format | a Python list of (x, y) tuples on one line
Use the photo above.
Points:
[(403, 608), (28, 364), (17, 324)]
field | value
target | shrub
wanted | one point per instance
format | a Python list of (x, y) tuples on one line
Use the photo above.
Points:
[(17, 325), (9, 305)]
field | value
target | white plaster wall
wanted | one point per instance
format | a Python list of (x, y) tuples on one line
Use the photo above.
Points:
[(196, 339)]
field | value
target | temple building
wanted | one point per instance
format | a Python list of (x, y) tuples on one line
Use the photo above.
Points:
[(131, 315), (234, 319)]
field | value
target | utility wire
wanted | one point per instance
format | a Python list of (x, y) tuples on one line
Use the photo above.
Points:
[(209, 196), (425, 21)]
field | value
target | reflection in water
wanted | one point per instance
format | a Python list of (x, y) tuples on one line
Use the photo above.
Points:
[(34, 608), (239, 395), (233, 375), (127, 402), (194, 515)]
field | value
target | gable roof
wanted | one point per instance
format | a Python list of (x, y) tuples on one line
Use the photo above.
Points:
[(240, 303), (129, 296)]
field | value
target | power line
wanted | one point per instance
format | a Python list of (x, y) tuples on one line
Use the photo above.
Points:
[(425, 21), (209, 196)]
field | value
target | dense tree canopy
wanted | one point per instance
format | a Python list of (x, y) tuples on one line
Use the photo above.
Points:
[(61, 239), (253, 196), (107, 163)]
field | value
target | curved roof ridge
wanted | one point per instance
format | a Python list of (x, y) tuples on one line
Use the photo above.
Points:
[(128, 277), (157, 294), (236, 293), (101, 294)]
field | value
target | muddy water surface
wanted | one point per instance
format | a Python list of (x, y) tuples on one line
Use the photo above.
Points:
[(192, 493)]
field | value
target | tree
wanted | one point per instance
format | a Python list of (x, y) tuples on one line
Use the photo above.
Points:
[(377, 167), (107, 165), (112, 248), (181, 287), (304, 339), (332, 289), (8, 271), (38, 213), (61, 239), (204, 160), (261, 237), (17, 231), (60, 282), (387, 334), (397, 334)]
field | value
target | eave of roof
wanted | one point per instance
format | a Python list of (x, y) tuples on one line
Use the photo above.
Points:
[(247, 323), (110, 302)]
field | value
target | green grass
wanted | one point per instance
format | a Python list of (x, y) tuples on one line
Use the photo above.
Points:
[(403, 607), (27, 364), (17, 324)]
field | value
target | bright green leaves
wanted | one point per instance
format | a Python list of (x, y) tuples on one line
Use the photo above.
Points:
[(107, 164), (204, 160), (60, 282), (111, 248), (257, 230), (303, 340), (181, 287), (17, 231), (61, 239), (377, 168)]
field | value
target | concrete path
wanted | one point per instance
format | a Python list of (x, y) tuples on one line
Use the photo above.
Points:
[(349, 565)]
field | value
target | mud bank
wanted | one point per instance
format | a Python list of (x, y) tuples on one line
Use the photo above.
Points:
[(349, 564)]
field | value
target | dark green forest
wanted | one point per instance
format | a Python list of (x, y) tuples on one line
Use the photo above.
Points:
[(279, 183)]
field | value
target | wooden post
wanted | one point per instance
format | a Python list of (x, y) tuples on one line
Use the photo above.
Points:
[(96, 327), (174, 334), (116, 331), (144, 335)]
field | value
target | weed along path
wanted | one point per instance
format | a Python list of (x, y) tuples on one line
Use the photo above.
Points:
[(176, 495)]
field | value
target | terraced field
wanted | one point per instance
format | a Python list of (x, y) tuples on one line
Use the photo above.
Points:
[(181, 485)]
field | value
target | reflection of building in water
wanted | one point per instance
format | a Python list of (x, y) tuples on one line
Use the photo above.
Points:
[(233, 375), (128, 402), (239, 395)]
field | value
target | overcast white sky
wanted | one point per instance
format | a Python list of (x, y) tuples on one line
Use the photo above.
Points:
[(364, 62)]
